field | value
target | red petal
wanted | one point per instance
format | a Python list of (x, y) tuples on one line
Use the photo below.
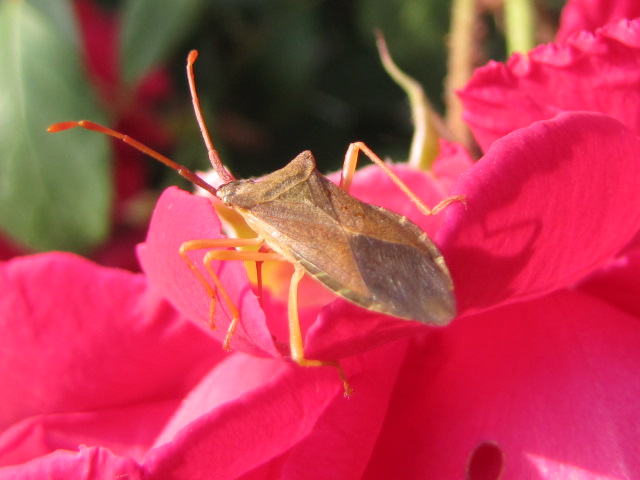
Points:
[(618, 283), (99, 32), (596, 72), (93, 463), (552, 384), (129, 431), (589, 15), (452, 161), (286, 420), (343, 329), (225, 433), (77, 337), (546, 206), (179, 217)]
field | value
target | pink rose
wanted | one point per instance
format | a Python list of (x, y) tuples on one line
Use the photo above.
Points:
[(538, 377)]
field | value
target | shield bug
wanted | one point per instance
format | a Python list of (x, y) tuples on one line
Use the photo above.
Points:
[(364, 253)]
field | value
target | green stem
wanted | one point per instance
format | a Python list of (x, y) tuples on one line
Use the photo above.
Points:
[(424, 145), (519, 17), (461, 49)]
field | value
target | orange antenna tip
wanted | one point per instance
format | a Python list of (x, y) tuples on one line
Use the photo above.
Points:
[(60, 126)]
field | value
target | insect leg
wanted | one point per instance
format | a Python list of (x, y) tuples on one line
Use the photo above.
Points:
[(208, 244), (295, 334), (349, 168), (263, 248), (234, 255)]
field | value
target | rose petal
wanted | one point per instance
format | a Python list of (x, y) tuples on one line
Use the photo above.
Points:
[(589, 15), (452, 162), (128, 431), (302, 415), (229, 438), (90, 463), (546, 206), (618, 283), (343, 329), (552, 384), (179, 217), (592, 72), (341, 443), (77, 337)]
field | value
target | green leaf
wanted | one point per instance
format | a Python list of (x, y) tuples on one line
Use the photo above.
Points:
[(55, 190), (150, 30), (61, 16)]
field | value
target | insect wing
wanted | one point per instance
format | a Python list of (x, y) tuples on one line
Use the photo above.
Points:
[(306, 234), (409, 277), (366, 254)]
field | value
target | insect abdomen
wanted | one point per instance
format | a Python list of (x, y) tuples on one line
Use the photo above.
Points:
[(404, 281)]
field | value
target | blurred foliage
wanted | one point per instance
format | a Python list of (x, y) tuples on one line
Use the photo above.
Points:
[(52, 195), (281, 76), (275, 77)]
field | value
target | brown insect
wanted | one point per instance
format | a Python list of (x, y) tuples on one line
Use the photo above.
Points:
[(368, 255)]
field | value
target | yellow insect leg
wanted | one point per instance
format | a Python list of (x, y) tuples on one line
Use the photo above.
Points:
[(213, 255), (295, 334), (349, 168), (217, 288)]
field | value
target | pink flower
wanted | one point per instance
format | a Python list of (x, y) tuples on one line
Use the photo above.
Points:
[(541, 217), (89, 356), (537, 377), (578, 15), (589, 72), (544, 356)]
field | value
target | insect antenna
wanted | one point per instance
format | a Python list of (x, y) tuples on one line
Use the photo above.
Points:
[(96, 127), (214, 158)]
